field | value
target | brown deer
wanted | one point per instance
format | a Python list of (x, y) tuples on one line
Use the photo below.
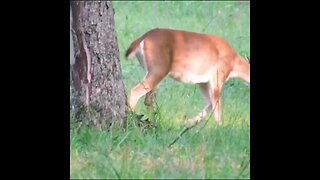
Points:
[(189, 57)]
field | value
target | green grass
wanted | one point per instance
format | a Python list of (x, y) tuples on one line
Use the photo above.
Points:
[(207, 151)]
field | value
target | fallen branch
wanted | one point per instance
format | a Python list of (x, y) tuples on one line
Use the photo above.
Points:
[(184, 130), (202, 126)]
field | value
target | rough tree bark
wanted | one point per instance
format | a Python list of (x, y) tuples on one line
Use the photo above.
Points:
[(97, 89)]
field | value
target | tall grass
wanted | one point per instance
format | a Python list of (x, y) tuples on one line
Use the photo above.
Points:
[(207, 151)]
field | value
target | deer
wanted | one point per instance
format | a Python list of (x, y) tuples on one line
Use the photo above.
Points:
[(189, 57)]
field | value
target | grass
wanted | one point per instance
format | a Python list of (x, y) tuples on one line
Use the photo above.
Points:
[(206, 151)]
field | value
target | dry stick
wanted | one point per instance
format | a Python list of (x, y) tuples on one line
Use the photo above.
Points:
[(203, 125)]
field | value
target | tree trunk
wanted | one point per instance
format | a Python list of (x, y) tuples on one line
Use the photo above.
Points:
[(97, 89)]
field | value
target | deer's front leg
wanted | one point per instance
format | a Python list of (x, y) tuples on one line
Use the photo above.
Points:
[(215, 90)]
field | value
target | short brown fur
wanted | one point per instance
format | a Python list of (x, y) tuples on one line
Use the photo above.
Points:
[(189, 57)]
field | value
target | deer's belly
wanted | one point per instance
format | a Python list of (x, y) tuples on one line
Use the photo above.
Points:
[(189, 77)]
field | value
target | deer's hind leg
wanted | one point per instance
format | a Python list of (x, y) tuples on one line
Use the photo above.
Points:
[(205, 89), (149, 100)]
